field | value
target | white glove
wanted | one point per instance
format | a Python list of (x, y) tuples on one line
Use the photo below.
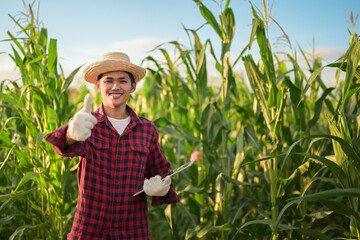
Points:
[(82, 123), (155, 186)]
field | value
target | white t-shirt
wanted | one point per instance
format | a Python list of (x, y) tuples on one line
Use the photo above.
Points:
[(119, 124)]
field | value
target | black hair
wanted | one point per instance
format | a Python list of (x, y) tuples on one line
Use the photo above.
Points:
[(131, 78)]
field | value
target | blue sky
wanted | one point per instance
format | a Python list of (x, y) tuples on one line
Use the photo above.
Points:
[(86, 29)]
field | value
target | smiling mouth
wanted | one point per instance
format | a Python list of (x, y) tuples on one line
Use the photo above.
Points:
[(115, 94)]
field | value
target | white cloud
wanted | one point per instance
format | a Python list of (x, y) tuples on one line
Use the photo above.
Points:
[(330, 54), (7, 68), (137, 49)]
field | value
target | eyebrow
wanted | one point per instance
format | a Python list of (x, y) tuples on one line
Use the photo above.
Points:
[(111, 78)]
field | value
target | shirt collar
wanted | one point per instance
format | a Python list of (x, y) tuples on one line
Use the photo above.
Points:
[(101, 116)]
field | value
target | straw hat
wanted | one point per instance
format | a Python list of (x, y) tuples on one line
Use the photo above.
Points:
[(113, 61)]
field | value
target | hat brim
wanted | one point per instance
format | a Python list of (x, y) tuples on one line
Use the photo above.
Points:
[(92, 72)]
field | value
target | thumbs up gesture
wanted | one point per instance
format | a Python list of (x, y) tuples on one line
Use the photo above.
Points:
[(82, 123)]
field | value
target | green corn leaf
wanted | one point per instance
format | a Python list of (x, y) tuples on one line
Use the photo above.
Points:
[(151, 59), (267, 58), (169, 62), (339, 153), (352, 64), (334, 167), (13, 197), (52, 58), (313, 233), (6, 220), (23, 30), (28, 177), (255, 24), (305, 56), (43, 37), (230, 85), (270, 223), (282, 96), (330, 106), (200, 58), (52, 116), (343, 66), (340, 208), (192, 189), (258, 84), (298, 71), (191, 232), (15, 40), (165, 125), (186, 59), (333, 227), (185, 88), (210, 229), (190, 215), (313, 77), (161, 122), (12, 100), (39, 139), (352, 90), (209, 17), (35, 60), (6, 158), (348, 150), (349, 192), (229, 24), (239, 157), (319, 214), (18, 234), (318, 106), (197, 42), (16, 58), (295, 92), (302, 168)]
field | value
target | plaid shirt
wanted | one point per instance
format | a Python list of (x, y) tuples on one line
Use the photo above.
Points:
[(111, 169)]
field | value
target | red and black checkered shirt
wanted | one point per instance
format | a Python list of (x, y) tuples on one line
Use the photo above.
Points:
[(111, 169)]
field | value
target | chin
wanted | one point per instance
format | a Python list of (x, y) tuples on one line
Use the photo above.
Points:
[(114, 105)]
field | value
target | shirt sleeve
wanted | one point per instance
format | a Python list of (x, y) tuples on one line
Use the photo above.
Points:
[(58, 139), (159, 165)]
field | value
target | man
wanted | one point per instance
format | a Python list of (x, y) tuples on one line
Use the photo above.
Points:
[(118, 152)]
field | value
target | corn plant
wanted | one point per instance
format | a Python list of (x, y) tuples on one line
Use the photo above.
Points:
[(262, 81), (199, 117), (280, 153), (38, 188), (274, 128)]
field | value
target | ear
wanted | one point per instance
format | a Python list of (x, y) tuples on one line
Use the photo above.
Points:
[(97, 85), (133, 87)]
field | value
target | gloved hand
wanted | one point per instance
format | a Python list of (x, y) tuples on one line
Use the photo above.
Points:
[(82, 123), (157, 187)]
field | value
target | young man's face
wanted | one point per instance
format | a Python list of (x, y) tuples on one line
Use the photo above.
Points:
[(115, 88)]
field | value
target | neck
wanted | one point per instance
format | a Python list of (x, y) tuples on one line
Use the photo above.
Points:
[(117, 113)]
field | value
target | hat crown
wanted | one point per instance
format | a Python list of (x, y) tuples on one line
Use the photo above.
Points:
[(117, 56), (113, 61)]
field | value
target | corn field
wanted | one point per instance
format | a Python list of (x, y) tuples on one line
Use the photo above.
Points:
[(280, 149)]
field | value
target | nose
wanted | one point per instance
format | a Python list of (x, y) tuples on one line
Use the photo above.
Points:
[(116, 85)]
